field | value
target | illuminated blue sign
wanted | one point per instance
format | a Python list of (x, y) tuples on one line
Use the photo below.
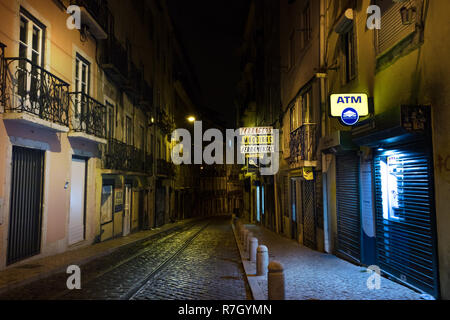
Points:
[(349, 116)]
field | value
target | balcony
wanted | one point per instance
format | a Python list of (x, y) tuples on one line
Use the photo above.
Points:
[(95, 15), (88, 118), (146, 99), (165, 168), (32, 95), (303, 145), (164, 122), (114, 60), (134, 84), (123, 157)]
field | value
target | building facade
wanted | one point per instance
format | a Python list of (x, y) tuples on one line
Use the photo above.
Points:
[(372, 193), (86, 112)]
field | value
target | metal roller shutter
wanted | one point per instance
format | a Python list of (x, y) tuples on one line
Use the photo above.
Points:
[(348, 209), (406, 245), (24, 238), (309, 214)]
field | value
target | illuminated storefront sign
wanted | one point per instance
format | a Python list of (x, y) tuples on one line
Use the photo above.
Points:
[(256, 141), (349, 107)]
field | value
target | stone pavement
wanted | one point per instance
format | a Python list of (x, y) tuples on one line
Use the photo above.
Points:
[(312, 275), (29, 271)]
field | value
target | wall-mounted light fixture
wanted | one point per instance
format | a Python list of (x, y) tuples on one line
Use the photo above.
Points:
[(408, 15)]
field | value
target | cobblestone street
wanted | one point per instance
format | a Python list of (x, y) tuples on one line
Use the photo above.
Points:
[(197, 261)]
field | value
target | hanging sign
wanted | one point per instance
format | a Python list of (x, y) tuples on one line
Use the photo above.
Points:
[(308, 173), (257, 140), (349, 107)]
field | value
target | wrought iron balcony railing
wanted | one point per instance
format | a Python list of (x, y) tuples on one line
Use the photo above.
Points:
[(134, 84), (114, 60), (165, 168), (164, 122), (121, 156), (147, 96), (88, 115), (303, 143), (29, 88), (2, 72)]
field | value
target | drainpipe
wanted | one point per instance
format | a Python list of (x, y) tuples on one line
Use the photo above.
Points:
[(322, 59)]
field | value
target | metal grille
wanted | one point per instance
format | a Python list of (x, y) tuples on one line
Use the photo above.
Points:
[(406, 244), (309, 214), (26, 204), (347, 198)]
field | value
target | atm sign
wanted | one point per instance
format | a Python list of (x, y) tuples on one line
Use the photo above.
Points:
[(340, 102)]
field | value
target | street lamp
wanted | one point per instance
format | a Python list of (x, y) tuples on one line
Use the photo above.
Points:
[(191, 119)]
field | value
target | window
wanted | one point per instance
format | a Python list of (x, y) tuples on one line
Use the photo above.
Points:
[(109, 120), (293, 117), (301, 112), (306, 24), (158, 147), (349, 55), (31, 48), (31, 42), (292, 50), (129, 131), (142, 137), (307, 117), (82, 72)]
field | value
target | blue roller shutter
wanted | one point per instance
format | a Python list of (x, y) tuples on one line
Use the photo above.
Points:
[(405, 217)]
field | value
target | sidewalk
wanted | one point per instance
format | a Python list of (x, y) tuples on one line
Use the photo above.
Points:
[(30, 271), (312, 275)]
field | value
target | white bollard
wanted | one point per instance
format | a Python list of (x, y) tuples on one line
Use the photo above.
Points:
[(253, 247), (247, 241), (275, 281), (262, 261)]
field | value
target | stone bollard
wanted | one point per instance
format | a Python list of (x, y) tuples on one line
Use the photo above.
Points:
[(262, 261), (247, 241), (253, 247), (275, 281)]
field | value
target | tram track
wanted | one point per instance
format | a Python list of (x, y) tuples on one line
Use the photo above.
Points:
[(165, 240)]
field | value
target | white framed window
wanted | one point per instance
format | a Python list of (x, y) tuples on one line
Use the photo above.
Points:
[(129, 131), (31, 48), (82, 73), (31, 39), (110, 120), (82, 85)]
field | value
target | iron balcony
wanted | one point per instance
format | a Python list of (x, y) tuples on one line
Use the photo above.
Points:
[(114, 60), (164, 122), (87, 115), (123, 157), (28, 89), (165, 168), (303, 143)]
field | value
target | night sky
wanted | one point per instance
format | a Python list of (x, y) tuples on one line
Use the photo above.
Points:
[(211, 32)]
